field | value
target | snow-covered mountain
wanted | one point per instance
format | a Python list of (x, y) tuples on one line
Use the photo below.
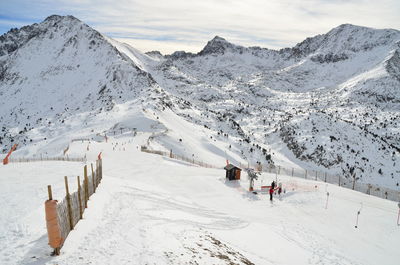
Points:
[(330, 103), (58, 69)]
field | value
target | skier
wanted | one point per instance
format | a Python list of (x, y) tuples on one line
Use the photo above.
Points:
[(273, 185), (271, 191), (279, 189)]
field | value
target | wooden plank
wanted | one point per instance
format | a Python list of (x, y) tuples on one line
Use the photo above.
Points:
[(68, 197), (86, 185), (49, 192), (101, 168), (93, 178), (97, 168), (80, 199)]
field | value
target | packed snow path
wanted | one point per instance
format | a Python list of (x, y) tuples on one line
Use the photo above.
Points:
[(153, 210)]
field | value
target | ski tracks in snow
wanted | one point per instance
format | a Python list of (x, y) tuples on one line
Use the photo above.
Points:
[(144, 227), (321, 252)]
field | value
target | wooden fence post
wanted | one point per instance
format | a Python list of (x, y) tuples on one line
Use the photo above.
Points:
[(316, 174), (101, 168), (49, 192), (325, 176), (68, 197), (292, 171), (306, 174), (97, 168), (79, 198), (98, 173), (86, 185), (93, 177), (339, 181)]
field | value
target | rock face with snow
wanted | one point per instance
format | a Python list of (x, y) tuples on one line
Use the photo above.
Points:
[(57, 69), (330, 103), (333, 99)]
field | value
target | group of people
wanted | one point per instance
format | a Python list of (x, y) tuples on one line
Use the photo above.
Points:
[(273, 188)]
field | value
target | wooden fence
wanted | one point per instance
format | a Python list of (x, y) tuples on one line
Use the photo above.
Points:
[(71, 208), (370, 189), (38, 159), (349, 183), (178, 157)]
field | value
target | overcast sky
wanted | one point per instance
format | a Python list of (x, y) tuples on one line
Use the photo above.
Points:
[(172, 25)]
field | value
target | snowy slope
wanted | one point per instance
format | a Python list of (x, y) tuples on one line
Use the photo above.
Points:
[(333, 99), (331, 103), (175, 213), (62, 71)]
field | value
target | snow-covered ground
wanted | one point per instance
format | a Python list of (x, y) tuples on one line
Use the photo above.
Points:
[(331, 104), (150, 209)]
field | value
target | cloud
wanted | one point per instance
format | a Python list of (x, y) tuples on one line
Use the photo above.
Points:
[(189, 24)]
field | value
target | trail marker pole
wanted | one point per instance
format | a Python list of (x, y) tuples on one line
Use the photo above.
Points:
[(398, 216), (327, 198), (358, 213)]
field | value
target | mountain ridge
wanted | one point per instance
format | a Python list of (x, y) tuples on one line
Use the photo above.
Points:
[(329, 103)]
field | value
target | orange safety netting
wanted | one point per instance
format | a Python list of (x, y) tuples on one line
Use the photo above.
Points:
[(5, 160), (53, 229)]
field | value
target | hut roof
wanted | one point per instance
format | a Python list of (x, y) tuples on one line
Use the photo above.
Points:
[(230, 166)]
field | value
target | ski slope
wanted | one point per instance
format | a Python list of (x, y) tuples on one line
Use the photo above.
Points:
[(153, 210), (328, 104)]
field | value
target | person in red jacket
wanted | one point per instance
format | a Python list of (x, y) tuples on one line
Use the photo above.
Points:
[(271, 191)]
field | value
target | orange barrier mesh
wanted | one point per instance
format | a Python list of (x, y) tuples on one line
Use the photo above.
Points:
[(53, 229), (5, 160)]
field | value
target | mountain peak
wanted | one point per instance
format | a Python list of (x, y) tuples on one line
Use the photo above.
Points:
[(54, 18), (218, 39), (219, 45), (346, 38), (15, 38)]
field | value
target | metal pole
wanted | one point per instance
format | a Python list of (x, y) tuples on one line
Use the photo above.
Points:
[(327, 197), (358, 213), (398, 216)]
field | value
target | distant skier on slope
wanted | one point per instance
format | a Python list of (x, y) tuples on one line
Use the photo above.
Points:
[(279, 190)]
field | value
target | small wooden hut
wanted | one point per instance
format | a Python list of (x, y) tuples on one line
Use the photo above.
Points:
[(232, 172)]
